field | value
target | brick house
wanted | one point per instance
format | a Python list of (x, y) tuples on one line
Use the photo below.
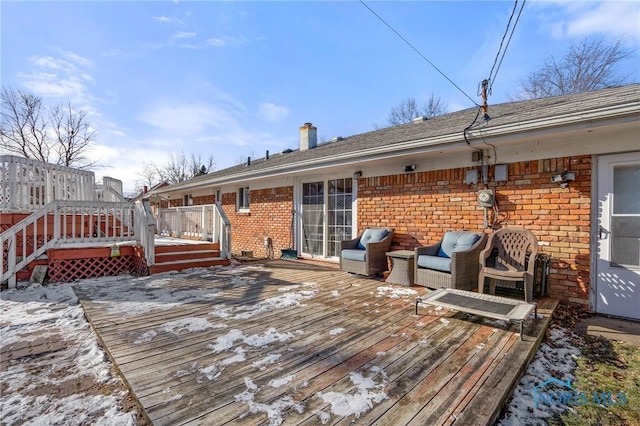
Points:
[(553, 166)]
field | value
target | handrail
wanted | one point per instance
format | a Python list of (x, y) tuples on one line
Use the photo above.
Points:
[(224, 234), (207, 222), (145, 230), (60, 222)]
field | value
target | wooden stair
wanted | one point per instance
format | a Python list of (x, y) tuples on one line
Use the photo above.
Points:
[(185, 256)]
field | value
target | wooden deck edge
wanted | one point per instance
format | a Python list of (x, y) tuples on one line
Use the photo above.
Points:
[(141, 411), (490, 408)]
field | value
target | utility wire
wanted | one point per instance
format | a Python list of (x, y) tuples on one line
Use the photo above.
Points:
[(491, 80), (504, 36), (417, 51)]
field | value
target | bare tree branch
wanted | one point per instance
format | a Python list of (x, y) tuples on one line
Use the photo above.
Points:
[(23, 130), (178, 168), (61, 136), (589, 64), (408, 109)]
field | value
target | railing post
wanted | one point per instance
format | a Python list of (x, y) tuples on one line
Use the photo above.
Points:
[(203, 226)]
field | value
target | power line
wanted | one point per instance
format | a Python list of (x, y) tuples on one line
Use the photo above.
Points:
[(492, 79), (504, 36), (417, 51)]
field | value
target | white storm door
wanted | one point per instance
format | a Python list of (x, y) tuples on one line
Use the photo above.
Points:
[(618, 236)]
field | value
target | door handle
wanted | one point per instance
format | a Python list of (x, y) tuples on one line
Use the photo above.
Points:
[(601, 230)]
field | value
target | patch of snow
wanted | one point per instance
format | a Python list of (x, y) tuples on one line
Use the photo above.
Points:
[(335, 331), (323, 416), (276, 383), (276, 302), (366, 392), (31, 314), (444, 321), (274, 411), (555, 358), (396, 293), (335, 293), (269, 359), (145, 337), (240, 355), (289, 287), (188, 325)]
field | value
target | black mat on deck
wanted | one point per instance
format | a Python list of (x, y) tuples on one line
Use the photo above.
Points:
[(478, 304)]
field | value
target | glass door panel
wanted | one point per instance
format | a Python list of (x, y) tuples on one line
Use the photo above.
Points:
[(625, 218), (312, 218), (340, 214)]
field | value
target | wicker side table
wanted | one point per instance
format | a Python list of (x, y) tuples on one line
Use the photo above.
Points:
[(402, 268)]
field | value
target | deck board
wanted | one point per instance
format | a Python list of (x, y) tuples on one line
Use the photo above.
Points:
[(429, 368)]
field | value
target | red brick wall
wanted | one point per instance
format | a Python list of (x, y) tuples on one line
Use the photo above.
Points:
[(422, 206), (204, 199), (269, 216)]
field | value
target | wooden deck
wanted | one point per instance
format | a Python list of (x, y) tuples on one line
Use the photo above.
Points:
[(304, 343)]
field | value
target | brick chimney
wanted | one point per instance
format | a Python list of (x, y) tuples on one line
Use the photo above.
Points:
[(308, 136)]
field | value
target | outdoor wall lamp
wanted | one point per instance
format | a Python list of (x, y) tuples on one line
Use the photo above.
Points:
[(409, 168), (563, 178), (357, 175)]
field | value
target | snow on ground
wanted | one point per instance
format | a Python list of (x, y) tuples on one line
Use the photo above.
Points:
[(555, 358), (52, 370)]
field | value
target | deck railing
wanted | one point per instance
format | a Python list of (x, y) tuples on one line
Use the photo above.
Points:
[(207, 222), (27, 185), (65, 222)]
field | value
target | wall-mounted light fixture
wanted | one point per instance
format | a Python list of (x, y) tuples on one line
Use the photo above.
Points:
[(409, 168), (563, 178), (357, 175)]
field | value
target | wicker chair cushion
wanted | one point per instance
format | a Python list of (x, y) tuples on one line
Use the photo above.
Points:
[(354, 254), (371, 235), (457, 241), (437, 263)]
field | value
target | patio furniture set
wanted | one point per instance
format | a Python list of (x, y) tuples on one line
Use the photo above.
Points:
[(454, 268)]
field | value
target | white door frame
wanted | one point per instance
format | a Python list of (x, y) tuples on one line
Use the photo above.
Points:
[(298, 197), (602, 167)]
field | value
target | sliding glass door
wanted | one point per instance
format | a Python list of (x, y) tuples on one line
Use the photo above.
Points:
[(327, 216)]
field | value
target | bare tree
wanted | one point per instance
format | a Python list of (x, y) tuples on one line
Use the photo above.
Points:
[(242, 159), (58, 135), (408, 109), (589, 64), (178, 168), (72, 135)]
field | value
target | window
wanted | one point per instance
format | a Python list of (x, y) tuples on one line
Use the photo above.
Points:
[(243, 198)]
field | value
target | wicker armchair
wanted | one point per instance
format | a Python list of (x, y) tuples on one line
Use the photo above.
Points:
[(365, 255), (512, 246), (452, 263)]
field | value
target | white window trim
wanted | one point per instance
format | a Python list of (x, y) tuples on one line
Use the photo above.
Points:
[(240, 207)]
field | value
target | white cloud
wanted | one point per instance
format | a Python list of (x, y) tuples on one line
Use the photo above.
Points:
[(63, 77), (621, 19), (215, 42), (187, 120), (183, 34), (168, 20), (272, 112), (569, 19)]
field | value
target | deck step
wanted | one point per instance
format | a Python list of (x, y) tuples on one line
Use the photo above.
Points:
[(184, 256), (180, 265), (186, 247)]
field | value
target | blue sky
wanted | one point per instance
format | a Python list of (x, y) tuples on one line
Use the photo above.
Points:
[(232, 79)]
